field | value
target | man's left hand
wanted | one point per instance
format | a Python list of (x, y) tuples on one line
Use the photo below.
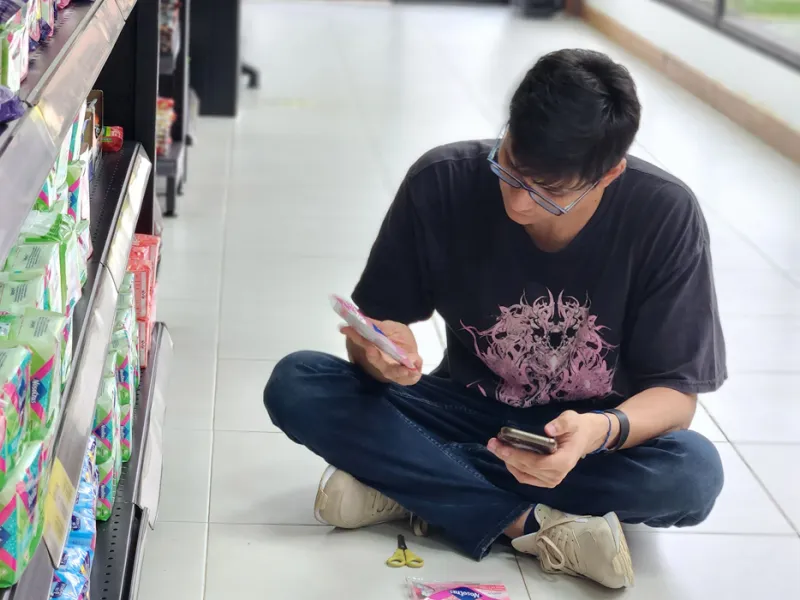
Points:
[(576, 435)]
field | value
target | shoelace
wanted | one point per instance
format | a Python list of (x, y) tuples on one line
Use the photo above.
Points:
[(556, 552), (381, 503)]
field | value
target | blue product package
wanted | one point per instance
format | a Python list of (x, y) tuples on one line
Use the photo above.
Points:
[(67, 586), (83, 531), (76, 560)]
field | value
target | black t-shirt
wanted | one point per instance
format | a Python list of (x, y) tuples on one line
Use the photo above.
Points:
[(628, 305)]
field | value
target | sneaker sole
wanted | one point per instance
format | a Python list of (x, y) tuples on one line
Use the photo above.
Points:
[(622, 561), (326, 476)]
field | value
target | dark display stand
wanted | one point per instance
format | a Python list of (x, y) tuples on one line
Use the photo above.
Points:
[(110, 45), (216, 65), (173, 82)]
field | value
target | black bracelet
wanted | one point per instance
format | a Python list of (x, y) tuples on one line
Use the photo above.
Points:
[(624, 428)]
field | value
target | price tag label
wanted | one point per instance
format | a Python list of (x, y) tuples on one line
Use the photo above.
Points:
[(58, 511)]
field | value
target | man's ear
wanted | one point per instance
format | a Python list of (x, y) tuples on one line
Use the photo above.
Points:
[(613, 173)]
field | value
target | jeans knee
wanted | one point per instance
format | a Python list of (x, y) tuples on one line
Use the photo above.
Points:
[(290, 387), (698, 475)]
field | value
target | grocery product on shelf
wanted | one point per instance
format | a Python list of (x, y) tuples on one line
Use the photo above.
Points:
[(27, 262), (40, 332), (77, 179), (15, 372), (11, 107), (125, 320), (111, 139), (169, 19), (22, 511), (126, 393), (13, 63), (52, 227), (108, 434), (19, 291), (165, 117)]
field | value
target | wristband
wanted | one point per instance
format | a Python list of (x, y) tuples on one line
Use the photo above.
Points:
[(602, 447), (624, 428)]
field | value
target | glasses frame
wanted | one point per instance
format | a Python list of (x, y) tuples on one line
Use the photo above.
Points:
[(512, 180)]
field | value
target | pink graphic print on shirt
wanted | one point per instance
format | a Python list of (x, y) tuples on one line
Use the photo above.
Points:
[(551, 350)]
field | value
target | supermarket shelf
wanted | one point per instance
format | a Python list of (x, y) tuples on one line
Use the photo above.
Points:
[(63, 71), (25, 159), (168, 62), (121, 540), (125, 7), (115, 191), (60, 76), (117, 561), (171, 165)]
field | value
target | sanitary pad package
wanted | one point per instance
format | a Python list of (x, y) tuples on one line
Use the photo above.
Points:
[(126, 393), (20, 291), (41, 332), (456, 590), (78, 182), (26, 261), (48, 194), (53, 227), (20, 515), (15, 364), (69, 586), (106, 415)]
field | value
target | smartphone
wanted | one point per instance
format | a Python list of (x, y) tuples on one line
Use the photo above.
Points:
[(527, 441), (368, 330)]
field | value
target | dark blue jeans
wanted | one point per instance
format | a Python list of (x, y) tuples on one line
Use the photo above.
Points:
[(424, 447)]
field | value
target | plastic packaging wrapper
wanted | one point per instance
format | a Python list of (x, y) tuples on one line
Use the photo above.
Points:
[(11, 107), (48, 195), (9, 8), (32, 12), (76, 560), (148, 248), (51, 227), (13, 55), (26, 262), (69, 586), (142, 271), (78, 187), (41, 333), (61, 164), (165, 117), (125, 320), (48, 18), (75, 135), (19, 291), (126, 393), (456, 590), (66, 351), (145, 337), (84, 235), (15, 373), (21, 514), (106, 415), (111, 139)]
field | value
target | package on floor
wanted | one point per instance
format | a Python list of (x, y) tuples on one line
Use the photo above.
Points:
[(40, 332), (15, 373), (22, 507), (456, 590)]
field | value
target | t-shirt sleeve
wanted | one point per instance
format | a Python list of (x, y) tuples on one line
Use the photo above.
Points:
[(675, 337), (396, 282)]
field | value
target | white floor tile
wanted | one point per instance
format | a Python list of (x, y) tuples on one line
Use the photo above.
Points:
[(757, 407), (174, 565), (263, 478), (190, 391), (705, 425), (342, 563), (186, 476), (689, 567), (774, 465), (743, 506), (240, 392)]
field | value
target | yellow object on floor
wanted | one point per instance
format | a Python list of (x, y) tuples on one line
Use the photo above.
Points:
[(403, 557)]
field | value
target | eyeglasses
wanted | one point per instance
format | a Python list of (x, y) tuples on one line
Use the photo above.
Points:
[(513, 181)]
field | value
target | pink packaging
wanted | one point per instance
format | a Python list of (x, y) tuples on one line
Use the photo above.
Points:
[(145, 334), (456, 590)]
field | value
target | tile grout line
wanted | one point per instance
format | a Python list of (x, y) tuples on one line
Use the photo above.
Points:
[(220, 298)]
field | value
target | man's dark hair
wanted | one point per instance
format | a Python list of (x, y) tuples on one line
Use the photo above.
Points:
[(573, 117)]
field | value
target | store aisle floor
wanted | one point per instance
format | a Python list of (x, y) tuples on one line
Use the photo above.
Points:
[(280, 211)]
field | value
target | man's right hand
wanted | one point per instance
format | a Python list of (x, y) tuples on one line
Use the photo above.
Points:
[(381, 366)]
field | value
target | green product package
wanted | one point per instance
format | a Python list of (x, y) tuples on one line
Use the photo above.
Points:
[(20, 291), (106, 415), (41, 257), (61, 165), (54, 227), (48, 194), (78, 189), (125, 319), (126, 393), (41, 332), (22, 505), (84, 235), (108, 434), (66, 351), (15, 370), (14, 40)]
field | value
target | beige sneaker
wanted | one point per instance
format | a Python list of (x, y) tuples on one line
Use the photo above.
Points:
[(591, 547), (343, 501)]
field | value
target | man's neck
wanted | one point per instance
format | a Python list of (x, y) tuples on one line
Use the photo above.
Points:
[(556, 234)]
